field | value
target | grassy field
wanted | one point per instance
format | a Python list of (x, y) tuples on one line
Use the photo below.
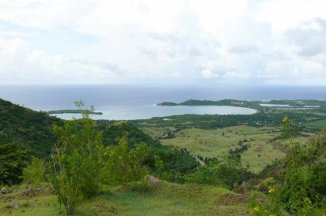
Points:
[(218, 142), (320, 124), (160, 200)]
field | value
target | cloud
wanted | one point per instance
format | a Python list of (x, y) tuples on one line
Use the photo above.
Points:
[(310, 38), (244, 49), (189, 41)]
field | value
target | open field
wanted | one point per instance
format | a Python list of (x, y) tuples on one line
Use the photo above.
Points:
[(162, 199), (217, 142), (320, 124)]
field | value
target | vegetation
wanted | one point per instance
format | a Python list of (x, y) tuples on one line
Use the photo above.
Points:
[(34, 173), (13, 158), (27, 128), (300, 189), (314, 104), (175, 160), (76, 162), (124, 165), (108, 167), (72, 111)]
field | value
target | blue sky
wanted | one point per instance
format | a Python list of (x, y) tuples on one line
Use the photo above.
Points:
[(204, 42)]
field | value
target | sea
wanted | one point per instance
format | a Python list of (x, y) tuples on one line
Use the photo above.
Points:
[(129, 102)]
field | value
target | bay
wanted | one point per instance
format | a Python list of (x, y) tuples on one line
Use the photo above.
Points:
[(118, 102)]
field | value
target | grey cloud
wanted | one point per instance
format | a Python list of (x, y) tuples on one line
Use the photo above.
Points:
[(103, 65), (174, 45), (311, 41)]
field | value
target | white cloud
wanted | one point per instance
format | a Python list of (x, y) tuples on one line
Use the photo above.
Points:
[(107, 41)]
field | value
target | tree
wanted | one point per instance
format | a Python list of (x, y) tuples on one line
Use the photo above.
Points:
[(76, 162), (13, 158)]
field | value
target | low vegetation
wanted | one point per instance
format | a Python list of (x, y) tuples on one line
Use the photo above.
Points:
[(114, 168)]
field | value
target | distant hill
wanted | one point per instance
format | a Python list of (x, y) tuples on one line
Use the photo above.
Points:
[(27, 127)]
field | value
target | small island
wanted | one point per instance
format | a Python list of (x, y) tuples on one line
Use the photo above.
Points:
[(73, 111)]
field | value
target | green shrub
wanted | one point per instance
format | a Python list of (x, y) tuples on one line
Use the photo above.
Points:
[(123, 165), (76, 162), (13, 158), (34, 173), (220, 173)]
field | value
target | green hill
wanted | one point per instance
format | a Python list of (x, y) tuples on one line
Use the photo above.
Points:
[(27, 127)]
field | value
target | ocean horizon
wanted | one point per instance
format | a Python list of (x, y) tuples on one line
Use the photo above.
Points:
[(122, 102)]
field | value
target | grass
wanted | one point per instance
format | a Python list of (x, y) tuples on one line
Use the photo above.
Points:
[(218, 142), (320, 124), (164, 199)]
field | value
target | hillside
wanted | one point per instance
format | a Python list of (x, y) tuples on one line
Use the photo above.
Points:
[(27, 127), (32, 133), (160, 200)]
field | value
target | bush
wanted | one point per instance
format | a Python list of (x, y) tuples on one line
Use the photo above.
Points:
[(13, 158), (123, 165), (76, 162), (34, 173), (220, 173)]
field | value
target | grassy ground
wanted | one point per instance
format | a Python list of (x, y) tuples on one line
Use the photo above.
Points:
[(160, 200), (217, 142), (320, 124)]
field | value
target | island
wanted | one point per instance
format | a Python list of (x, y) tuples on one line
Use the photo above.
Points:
[(73, 111), (259, 105)]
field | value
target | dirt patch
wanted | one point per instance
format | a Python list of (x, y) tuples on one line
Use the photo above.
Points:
[(233, 199), (259, 148), (279, 146), (228, 211), (105, 208)]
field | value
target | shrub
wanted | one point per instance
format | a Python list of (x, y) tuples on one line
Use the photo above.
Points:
[(123, 165), (34, 173), (220, 173), (76, 162), (13, 158)]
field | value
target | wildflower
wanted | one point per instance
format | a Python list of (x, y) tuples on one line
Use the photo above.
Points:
[(271, 190), (286, 119), (256, 209), (307, 200)]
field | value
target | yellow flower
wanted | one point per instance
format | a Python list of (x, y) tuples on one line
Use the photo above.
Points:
[(256, 209), (286, 119), (271, 190), (307, 200)]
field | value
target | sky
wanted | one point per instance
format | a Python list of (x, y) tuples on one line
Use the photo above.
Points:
[(162, 42)]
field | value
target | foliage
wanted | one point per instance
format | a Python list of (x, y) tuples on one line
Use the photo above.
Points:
[(258, 119), (175, 160), (261, 205), (289, 128), (160, 170), (123, 165), (227, 173), (76, 162), (25, 126), (13, 158), (235, 154), (301, 186), (34, 173)]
